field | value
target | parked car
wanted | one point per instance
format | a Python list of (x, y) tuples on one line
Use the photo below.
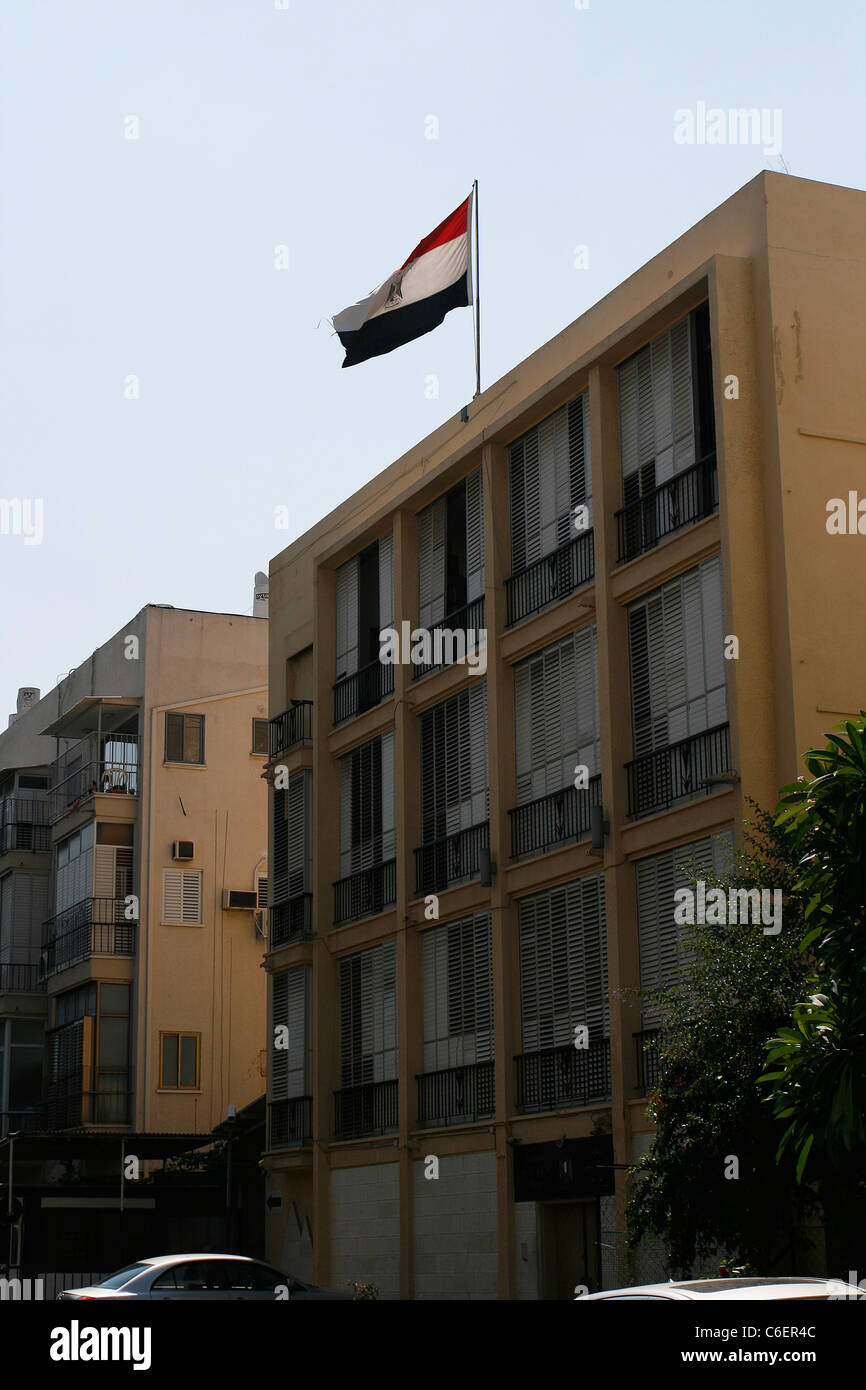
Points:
[(203, 1277), (707, 1290)]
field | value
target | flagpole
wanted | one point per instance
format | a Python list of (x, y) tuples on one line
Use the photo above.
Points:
[(477, 298)]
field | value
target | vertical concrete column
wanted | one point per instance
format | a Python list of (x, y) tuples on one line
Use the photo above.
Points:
[(615, 729), (326, 815), (406, 776), (500, 755)]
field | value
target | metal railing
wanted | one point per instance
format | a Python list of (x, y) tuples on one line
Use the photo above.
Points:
[(293, 726), (24, 1121), (559, 1076), (551, 578), (450, 637), (21, 979), (362, 690), (450, 859), (365, 892), (290, 920), (457, 1095), (93, 927), (681, 770), (647, 1045), (679, 501), (290, 1122), (552, 819), (367, 1109), (24, 824), (94, 767)]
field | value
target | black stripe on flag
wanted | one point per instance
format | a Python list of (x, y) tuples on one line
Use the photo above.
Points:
[(399, 326)]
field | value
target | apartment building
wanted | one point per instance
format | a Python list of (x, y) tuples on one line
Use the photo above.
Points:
[(474, 864), (133, 867)]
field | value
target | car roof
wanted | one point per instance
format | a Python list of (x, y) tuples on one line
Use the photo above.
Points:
[(191, 1255)]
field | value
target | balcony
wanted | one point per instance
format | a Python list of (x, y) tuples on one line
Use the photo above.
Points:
[(551, 578), (450, 638), (21, 1121), (451, 859), (291, 920), (563, 1076), (647, 1048), (678, 772), (366, 1110), (24, 825), (21, 979), (553, 819), (95, 766), (290, 1122), (686, 498), (93, 927), (293, 726), (456, 1096), (365, 892), (74, 1108), (362, 690)]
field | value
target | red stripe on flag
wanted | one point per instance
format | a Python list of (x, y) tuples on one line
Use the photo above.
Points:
[(455, 225)]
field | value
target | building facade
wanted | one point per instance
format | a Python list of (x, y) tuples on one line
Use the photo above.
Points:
[(133, 866), (476, 847)]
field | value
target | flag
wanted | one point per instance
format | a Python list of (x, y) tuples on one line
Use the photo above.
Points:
[(415, 299)]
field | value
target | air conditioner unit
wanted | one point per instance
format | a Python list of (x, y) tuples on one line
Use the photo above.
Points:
[(183, 849), (260, 921), (234, 899)]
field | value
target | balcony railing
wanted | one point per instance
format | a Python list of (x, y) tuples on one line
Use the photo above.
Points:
[(93, 927), (647, 1046), (563, 1076), (681, 770), (24, 824), (450, 637), (454, 857), (368, 1109), (291, 920), (94, 767), (21, 979), (552, 819), (290, 1122), (293, 726), (362, 690), (26, 1121), (457, 1095), (679, 501), (551, 578), (365, 892)]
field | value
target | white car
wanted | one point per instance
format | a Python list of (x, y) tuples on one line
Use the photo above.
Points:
[(780, 1290), (203, 1278)]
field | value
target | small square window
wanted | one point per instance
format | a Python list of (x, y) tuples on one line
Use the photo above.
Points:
[(184, 738), (180, 1061), (260, 736)]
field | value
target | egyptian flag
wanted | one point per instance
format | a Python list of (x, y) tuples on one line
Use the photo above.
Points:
[(415, 299)]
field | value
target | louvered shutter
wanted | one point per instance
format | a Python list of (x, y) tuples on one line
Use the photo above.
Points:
[(474, 536), (192, 897), (279, 1019), (347, 618), (261, 892), (103, 871), (656, 408), (24, 913), (6, 917), (389, 833), (386, 582), (457, 994), (280, 851), (431, 563), (172, 895), (346, 815), (298, 820), (290, 1071), (556, 715), (550, 475), (367, 805), (454, 782), (563, 964), (368, 1015)]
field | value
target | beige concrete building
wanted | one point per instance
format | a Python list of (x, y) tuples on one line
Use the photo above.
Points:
[(474, 860), (132, 873)]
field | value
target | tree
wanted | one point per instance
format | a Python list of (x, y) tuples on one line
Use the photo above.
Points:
[(736, 987)]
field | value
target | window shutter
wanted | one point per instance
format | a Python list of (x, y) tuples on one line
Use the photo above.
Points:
[(172, 895), (261, 892), (556, 715), (24, 909), (347, 618), (431, 563), (280, 1019), (474, 536), (346, 815), (192, 897), (457, 994), (386, 582), (298, 820), (550, 476), (656, 411), (389, 833), (454, 783), (290, 1066), (368, 1015), (563, 964), (367, 805)]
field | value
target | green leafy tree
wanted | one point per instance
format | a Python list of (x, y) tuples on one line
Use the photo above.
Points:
[(736, 987)]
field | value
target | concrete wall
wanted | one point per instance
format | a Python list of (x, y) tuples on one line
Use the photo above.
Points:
[(455, 1228), (526, 1245), (365, 1227)]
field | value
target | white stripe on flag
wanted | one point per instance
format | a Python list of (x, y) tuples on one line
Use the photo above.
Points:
[(436, 270)]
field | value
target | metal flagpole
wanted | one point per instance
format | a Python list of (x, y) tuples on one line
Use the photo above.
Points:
[(477, 299)]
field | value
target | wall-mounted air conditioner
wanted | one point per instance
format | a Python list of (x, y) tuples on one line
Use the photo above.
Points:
[(234, 899), (183, 849)]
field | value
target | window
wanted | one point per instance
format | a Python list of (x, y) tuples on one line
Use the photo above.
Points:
[(179, 1070), (181, 897), (454, 782), (365, 605), (451, 552), (368, 1015), (367, 831), (291, 1069), (556, 716), (550, 477), (184, 738), (563, 965), (292, 856), (260, 736), (23, 909), (74, 868), (457, 993), (196, 1276)]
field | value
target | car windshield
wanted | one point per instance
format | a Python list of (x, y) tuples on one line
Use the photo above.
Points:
[(120, 1277)]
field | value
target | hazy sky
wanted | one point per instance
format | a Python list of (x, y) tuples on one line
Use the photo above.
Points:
[(304, 125)]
